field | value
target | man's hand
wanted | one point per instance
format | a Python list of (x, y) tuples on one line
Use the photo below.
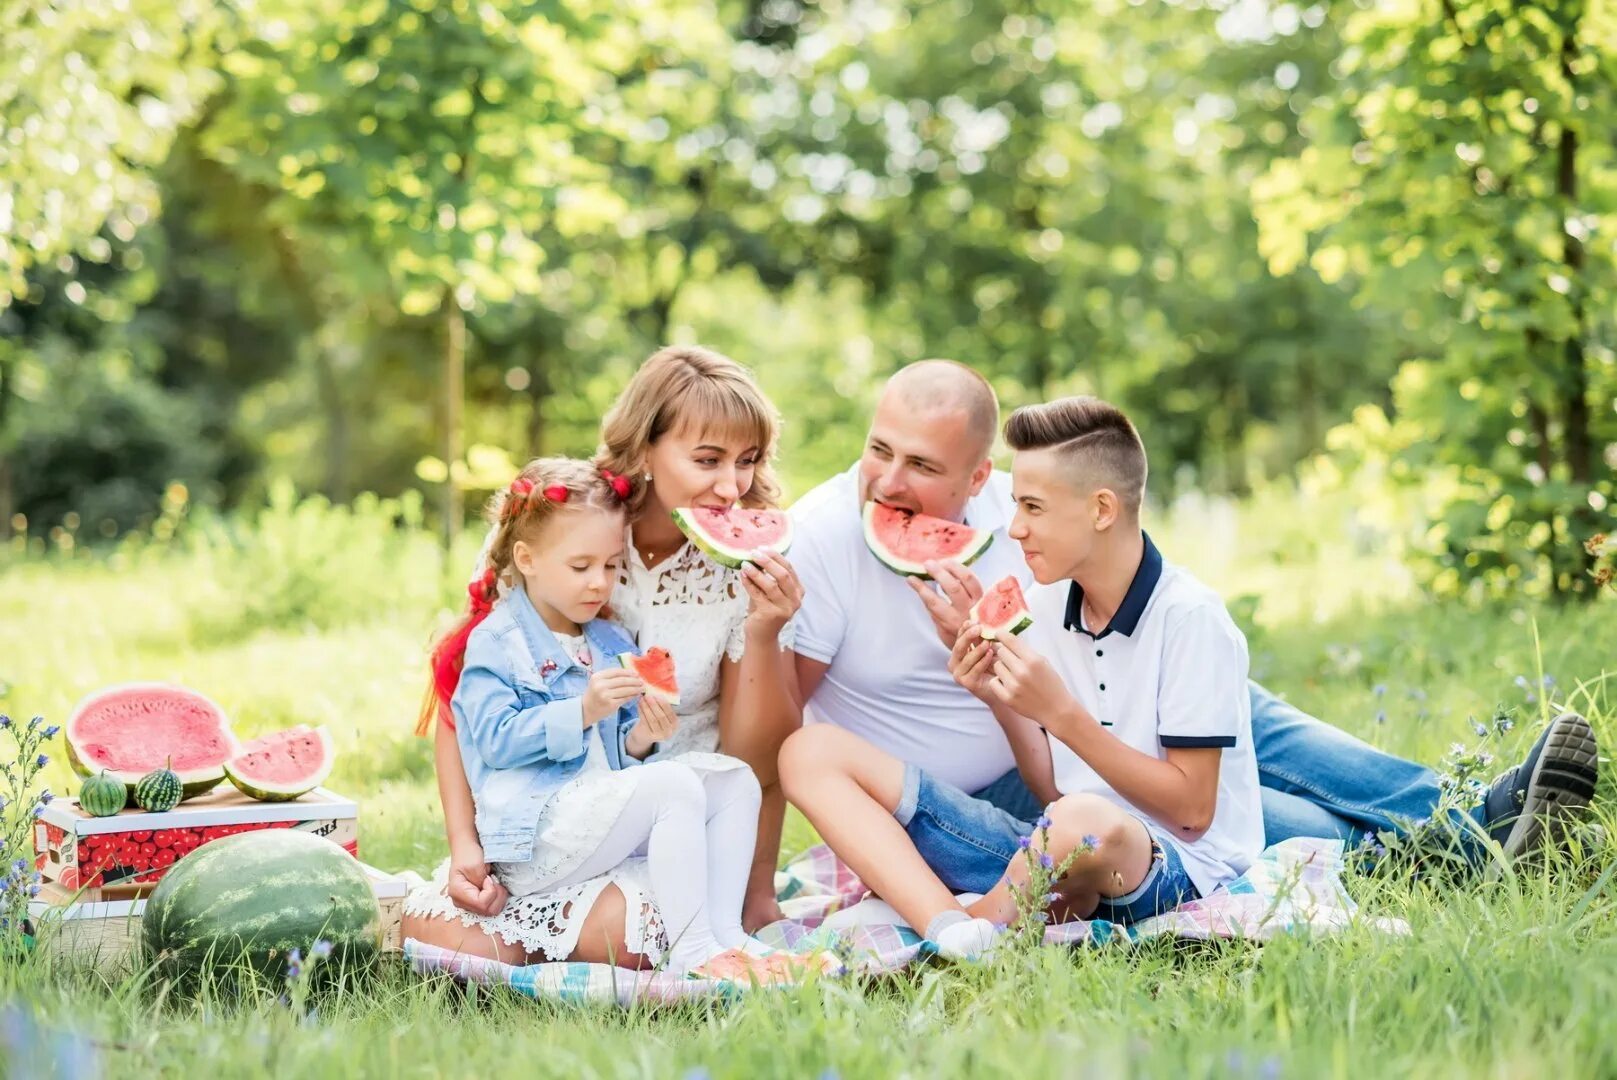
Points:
[(1025, 682), (657, 723), (971, 661), (472, 887), (608, 691), (949, 607)]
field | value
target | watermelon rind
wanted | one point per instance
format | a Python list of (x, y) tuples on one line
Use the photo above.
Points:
[(627, 660), (248, 900), (193, 782), (899, 565), (732, 557), (1019, 620), (269, 791)]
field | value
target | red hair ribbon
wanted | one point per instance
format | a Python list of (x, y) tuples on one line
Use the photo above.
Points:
[(450, 656), (519, 491), (556, 493), (618, 482)]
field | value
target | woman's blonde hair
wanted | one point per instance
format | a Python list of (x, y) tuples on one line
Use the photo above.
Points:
[(683, 386), (544, 490)]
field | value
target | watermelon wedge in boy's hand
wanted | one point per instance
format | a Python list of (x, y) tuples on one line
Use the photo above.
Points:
[(1002, 610), (906, 541), (281, 766), (656, 670), (731, 536)]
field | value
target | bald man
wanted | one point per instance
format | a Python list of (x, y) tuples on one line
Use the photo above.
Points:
[(872, 649)]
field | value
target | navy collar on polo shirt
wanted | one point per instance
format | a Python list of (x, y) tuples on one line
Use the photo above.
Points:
[(1127, 615)]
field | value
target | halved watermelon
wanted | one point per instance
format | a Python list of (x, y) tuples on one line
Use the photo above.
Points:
[(133, 728), (656, 669), (284, 765), (1002, 610), (731, 536), (905, 541)]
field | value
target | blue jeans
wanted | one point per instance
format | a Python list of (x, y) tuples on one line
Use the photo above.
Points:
[(968, 842), (1317, 780)]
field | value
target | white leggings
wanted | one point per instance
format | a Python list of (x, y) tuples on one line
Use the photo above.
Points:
[(697, 830)]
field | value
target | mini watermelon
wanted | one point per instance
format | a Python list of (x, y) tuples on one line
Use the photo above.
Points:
[(253, 898), (656, 670), (159, 791), (731, 535), (1002, 610), (103, 795), (282, 766), (906, 541), (131, 729)]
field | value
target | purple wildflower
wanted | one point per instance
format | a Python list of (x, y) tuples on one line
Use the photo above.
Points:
[(1045, 860), (321, 949), (1091, 841), (5, 721), (42, 761), (50, 732), (1023, 842), (1043, 822)]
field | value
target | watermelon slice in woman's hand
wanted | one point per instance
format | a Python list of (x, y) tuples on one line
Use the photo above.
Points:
[(1002, 610), (656, 669)]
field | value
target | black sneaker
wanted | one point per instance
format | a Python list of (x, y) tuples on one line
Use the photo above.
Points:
[(1553, 784)]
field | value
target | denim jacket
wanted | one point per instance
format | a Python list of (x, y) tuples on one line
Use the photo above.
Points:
[(519, 720)]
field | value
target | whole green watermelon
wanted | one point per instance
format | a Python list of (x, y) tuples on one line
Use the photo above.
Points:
[(254, 897)]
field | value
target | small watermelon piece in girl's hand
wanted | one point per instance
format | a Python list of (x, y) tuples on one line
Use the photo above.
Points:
[(656, 670)]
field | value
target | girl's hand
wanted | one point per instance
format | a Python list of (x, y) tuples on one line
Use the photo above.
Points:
[(774, 590), (972, 659), (471, 886), (657, 723), (608, 692)]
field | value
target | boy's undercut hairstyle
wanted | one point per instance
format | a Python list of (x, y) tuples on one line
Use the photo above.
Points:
[(928, 385), (1094, 438)]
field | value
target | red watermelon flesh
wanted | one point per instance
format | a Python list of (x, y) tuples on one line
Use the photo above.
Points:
[(282, 766), (1003, 609), (731, 535), (132, 729), (656, 669), (906, 541)]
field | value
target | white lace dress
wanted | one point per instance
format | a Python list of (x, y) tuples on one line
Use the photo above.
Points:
[(697, 610)]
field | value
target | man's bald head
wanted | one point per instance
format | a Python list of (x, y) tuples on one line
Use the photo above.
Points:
[(934, 386)]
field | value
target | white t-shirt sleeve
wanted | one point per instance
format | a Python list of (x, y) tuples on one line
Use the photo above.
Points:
[(821, 623), (1201, 697)]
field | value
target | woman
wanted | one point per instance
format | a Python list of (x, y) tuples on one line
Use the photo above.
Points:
[(690, 429)]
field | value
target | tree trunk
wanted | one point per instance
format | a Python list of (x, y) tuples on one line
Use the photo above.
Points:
[(538, 391), (1575, 380), (454, 376), (337, 424)]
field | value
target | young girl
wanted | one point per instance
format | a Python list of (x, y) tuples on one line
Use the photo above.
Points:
[(553, 733), (691, 429)]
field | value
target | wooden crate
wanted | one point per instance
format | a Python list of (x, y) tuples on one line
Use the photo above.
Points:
[(105, 931), (124, 856)]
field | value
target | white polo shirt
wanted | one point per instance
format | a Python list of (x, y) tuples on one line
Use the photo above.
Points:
[(1169, 670), (889, 677)]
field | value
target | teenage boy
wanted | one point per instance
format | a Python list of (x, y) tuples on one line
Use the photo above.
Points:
[(1125, 704)]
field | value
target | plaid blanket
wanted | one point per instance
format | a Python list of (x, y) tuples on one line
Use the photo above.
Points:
[(1295, 886)]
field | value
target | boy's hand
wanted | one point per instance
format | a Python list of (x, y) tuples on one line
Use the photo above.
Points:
[(948, 608), (657, 723), (609, 691), (1025, 682), (971, 661)]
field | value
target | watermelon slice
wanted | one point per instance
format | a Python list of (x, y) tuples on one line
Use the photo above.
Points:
[(1002, 609), (282, 766), (906, 541), (656, 670), (133, 728), (732, 535)]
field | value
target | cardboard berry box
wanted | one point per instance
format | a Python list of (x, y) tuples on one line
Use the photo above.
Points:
[(124, 856)]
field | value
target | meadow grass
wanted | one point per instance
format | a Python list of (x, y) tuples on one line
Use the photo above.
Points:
[(1510, 978)]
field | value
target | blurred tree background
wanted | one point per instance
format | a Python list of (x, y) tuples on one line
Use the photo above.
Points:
[(393, 245)]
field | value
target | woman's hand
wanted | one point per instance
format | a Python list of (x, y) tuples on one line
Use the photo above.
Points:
[(657, 723), (609, 691), (774, 590), (472, 887)]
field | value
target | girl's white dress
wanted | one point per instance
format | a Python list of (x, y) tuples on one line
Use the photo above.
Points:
[(696, 609)]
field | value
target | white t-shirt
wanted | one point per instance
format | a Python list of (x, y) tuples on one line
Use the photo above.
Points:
[(889, 677), (1169, 670)]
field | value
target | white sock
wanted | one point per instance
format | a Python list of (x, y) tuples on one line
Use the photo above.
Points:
[(965, 938)]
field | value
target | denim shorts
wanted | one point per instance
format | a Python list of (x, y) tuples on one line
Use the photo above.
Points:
[(968, 842)]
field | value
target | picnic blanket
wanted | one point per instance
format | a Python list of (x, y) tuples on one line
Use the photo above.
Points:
[(1294, 887)]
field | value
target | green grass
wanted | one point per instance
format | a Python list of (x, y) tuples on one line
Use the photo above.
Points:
[(1514, 978)]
